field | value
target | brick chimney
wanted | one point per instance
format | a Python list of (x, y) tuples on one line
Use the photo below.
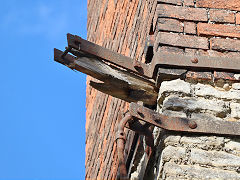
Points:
[(186, 27)]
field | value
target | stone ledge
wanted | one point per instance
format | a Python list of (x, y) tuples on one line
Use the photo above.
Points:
[(215, 158), (191, 104), (173, 171)]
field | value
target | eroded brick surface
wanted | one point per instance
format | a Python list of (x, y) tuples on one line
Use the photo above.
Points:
[(190, 28), (189, 2), (165, 24), (237, 18), (218, 30), (174, 39), (221, 16), (225, 44), (219, 4), (178, 12)]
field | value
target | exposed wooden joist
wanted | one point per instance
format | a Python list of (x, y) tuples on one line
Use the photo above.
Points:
[(116, 82)]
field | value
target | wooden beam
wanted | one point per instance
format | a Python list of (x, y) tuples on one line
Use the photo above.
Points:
[(116, 82)]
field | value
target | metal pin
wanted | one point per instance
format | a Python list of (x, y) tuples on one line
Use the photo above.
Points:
[(195, 60), (192, 124)]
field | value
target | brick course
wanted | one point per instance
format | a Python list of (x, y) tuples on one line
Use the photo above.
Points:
[(225, 44), (174, 39), (218, 30), (219, 4), (221, 16), (183, 13)]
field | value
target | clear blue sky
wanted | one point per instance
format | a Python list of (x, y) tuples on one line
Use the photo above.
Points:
[(42, 103)]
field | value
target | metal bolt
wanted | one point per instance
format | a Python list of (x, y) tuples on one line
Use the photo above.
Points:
[(136, 64), (68, 49), (192, 124), (195, 60)]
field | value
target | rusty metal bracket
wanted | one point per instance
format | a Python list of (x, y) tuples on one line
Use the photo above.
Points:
[(129, 80), (160, 59), (121, 139), (203, 63), (118, 59), (138, 112), (184, 124), (133, 124)]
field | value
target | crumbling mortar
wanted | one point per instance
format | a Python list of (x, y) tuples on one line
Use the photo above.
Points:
[(231, 152), (188, 156), (167, 94), (158, 156), (203, 147), (223, 99), (210, 97), (188, 112)]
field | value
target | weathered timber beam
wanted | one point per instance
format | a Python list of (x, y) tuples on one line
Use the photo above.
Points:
[(116, 82)]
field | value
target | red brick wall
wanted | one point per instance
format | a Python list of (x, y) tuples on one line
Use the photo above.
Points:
[(199, 27), (123, 27), (203, 27)]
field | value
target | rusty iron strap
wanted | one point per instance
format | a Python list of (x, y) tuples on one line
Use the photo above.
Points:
[(184, 124), (131, 123), (205, 63), (121, 139), (118, 59), (160, 59)]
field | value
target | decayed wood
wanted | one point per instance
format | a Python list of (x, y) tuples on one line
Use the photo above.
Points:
[(115, 82)]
